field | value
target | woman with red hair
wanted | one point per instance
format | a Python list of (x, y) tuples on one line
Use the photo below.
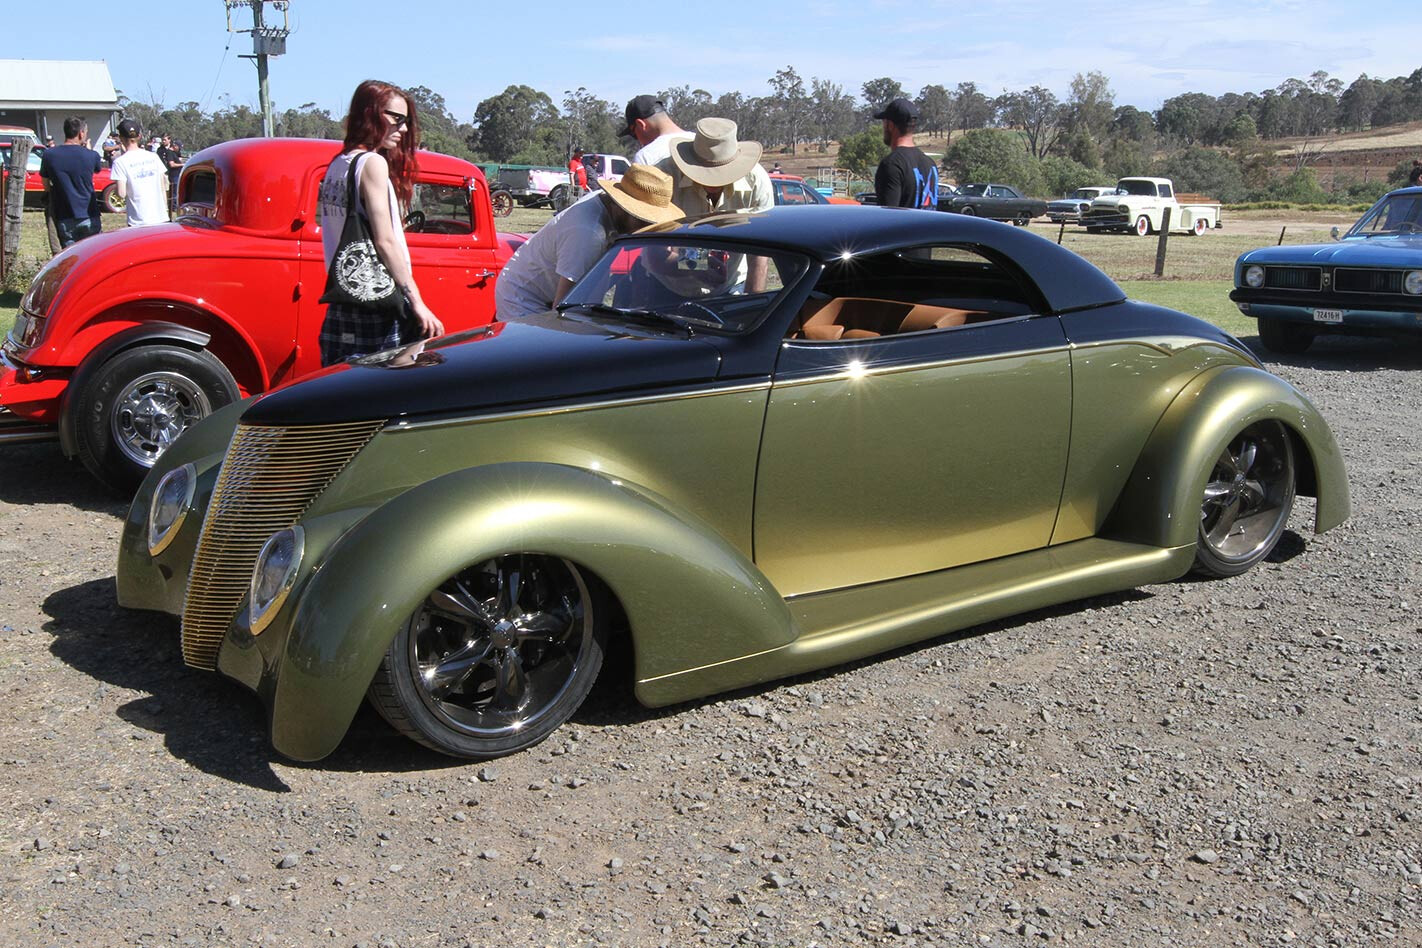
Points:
[(382, 133)]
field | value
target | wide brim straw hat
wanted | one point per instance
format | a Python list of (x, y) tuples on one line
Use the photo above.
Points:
[(645, 193), (713, 158)]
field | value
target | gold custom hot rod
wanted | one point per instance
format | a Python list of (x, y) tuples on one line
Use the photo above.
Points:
[(753, 445)]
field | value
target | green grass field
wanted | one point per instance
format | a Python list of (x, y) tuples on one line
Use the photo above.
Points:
[(1198, 270)]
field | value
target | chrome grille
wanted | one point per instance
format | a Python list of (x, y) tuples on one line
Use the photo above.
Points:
[(1361, 280), (268, 479), (1293, 278)]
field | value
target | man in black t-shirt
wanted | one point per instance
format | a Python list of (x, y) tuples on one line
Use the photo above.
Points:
[(68, 173), (906, 177)]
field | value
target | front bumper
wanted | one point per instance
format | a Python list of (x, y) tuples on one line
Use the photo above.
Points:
[(1371, 315), (31, 393)]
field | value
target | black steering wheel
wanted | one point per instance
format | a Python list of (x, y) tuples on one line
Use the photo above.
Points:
[(415, 221)]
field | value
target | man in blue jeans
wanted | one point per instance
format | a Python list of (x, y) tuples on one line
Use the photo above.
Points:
[(68, 171)]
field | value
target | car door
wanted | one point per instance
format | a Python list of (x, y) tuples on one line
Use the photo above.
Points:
[(910, 450), (454, 272), (791, 192)]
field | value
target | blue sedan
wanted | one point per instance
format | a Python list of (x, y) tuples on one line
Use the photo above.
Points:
[(1368, 282)]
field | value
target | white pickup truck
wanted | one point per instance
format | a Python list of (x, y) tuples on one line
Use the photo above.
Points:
[(1138, 207), (534, 186)]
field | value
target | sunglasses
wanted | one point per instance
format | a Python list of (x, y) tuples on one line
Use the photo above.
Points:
[(397, 119)]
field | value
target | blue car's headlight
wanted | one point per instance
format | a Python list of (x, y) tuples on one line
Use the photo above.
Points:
[(274, 574), (169, 507), (1412, 283), (1254, 276)]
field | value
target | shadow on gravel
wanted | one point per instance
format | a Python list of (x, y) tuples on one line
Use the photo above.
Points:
[(40, 474), (1347, 354), (211, 723), (611, 702)]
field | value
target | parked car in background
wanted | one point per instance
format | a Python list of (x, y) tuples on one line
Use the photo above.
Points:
[(534, 186), (1368, 282), (734, 484), (1138, 206), (792, 189), (999, 202), (126, 339), (104, 185), (1069, 209)]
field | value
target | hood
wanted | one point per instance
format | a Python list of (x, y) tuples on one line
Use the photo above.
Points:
[(501, 366), (1401, 251)]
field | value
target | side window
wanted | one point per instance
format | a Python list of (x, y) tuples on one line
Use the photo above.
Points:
[(620, 165), (1165, 190), (795, 193), (439, 209), (937, 287)]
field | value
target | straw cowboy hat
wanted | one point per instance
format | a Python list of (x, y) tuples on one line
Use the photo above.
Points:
[(714, 158), (645, 193)]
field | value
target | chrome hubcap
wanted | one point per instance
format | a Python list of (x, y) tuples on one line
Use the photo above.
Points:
[(153, 411), (1249, 493), (495, 647)]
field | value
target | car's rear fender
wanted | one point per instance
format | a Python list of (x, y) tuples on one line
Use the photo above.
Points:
[(1160, 504), (690, 598)]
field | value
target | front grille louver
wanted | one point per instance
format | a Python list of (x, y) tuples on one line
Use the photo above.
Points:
[(1366, 280), (1293, 278), (268, 479)]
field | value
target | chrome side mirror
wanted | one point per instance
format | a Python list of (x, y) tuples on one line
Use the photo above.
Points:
[(1333, 232)]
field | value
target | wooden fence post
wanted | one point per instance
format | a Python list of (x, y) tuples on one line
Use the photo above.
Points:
[(14, 203), (1160, 247)]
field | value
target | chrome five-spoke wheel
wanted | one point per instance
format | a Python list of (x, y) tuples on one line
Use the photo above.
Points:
[(1247, 500), (494, 659)]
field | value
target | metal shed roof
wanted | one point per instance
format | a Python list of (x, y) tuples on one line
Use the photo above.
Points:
[(56, 84)]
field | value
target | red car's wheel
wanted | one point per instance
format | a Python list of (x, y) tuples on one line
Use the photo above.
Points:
[(113, 203)]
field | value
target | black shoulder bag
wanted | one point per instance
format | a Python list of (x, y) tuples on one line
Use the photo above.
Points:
[(357, 276)]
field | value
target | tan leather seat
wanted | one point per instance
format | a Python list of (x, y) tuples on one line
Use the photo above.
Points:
[(924, 316)]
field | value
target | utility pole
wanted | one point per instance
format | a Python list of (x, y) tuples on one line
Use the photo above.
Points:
[(267, 41)]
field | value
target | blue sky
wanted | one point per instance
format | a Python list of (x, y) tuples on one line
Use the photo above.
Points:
[(467, 51)]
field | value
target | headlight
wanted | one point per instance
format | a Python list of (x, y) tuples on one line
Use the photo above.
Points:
[(1254, 276), (1123, 209), (274, 575), (1412, 283), (169, 507)]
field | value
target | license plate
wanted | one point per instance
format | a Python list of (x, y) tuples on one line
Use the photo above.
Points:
[(1328, 315)]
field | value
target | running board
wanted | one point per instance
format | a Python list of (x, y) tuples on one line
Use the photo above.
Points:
[(16, 430), (849, 624)]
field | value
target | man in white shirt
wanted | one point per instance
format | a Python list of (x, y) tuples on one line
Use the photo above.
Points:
[(649, 123), (142, 179), (544, 269)]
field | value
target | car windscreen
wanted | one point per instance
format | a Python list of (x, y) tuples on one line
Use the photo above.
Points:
[(973, 190), (1141, 188), (689, 285), (1393, 215)]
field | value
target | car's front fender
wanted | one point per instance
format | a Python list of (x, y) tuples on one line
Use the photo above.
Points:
[(691, 599), (1160, 505)]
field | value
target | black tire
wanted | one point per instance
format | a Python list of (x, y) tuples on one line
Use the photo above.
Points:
[(969, 210), (1142, 226), (495, 659), (111, 200), (559, 198), (139, 402), (1020, 221), (1285, 337), (1248, 497), (503, 203)]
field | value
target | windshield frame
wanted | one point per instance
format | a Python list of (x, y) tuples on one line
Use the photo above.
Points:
[(585, 298), (1413, 219)]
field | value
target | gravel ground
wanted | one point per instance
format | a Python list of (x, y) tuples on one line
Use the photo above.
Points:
[(1223, 763)]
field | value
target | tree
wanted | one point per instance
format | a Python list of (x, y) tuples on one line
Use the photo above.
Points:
[(832, 116), (994, 155), (1090, 106), (590, 122), (1037, 112), (1062, 175), (790, 101), (862, 153), (1206, 171), (879, 93), (686, 105), (972, 108), (1356, 104), (935, 110), (509, 122), (307, 121), (1190, 118)]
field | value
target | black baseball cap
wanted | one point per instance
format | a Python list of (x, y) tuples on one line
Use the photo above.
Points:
[(128, 128), (901, 112), (642, 107)]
